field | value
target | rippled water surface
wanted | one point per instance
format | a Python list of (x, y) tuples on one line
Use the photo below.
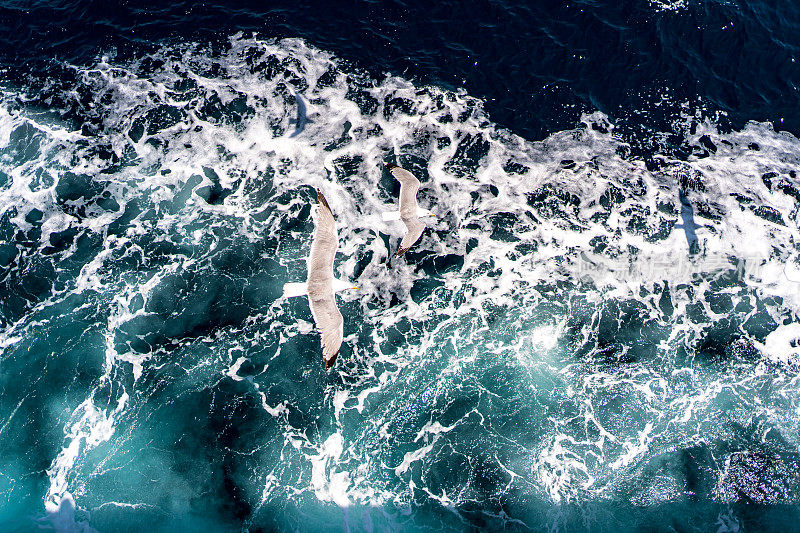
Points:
[(599, 331)]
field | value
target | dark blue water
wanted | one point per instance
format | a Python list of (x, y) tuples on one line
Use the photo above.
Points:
[(536, 64), (600, 330)]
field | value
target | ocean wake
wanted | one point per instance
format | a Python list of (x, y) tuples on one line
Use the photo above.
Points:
[(581, 330)]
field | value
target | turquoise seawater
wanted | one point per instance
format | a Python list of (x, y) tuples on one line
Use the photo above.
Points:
[(583, 339)]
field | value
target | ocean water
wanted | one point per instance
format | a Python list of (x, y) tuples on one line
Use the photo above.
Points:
[(600, 331)]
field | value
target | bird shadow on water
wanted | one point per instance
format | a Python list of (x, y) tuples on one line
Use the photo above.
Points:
[(688, 225)]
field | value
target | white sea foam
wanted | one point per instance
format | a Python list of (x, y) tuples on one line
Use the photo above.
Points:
[(330, 485), (62, 519), (783, 344), (90, 428)]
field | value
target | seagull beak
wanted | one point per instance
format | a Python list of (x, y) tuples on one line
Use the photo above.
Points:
[(354, 287)]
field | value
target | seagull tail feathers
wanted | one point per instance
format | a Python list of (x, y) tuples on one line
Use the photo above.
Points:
[(390, 215)]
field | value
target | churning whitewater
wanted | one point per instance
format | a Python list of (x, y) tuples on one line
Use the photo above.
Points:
[(579, 329)]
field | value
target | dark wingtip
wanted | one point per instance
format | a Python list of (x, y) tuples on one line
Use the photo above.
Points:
[(400, 252), (390, 166), (321, 200), (329, 362)]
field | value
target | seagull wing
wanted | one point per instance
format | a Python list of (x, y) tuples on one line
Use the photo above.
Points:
[(331, 325), (414, 228), (409, 185), (320, 283)]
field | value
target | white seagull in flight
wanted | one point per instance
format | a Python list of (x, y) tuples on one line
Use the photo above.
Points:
[(410, 211), (320, 285)]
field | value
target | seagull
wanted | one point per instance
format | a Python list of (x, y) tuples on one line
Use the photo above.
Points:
[(320, 285), (410, 212)]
